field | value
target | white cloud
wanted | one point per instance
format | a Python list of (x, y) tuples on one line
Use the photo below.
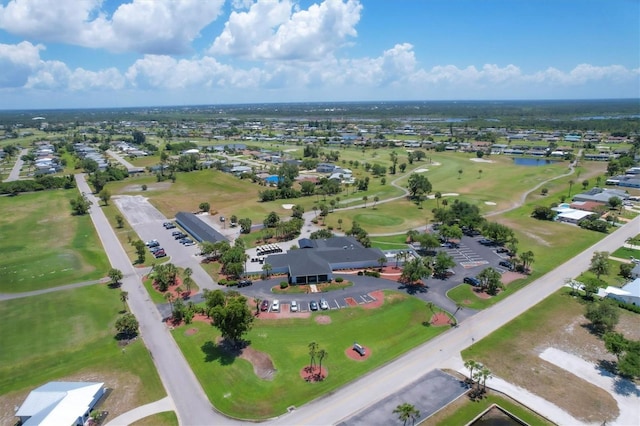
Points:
[(146, 26), (17, 62), (277, 30)]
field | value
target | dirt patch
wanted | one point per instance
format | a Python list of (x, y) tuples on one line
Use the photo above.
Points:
[(313, 374), (261, 362), (481, 294), (150, 187), (509, 277), (351, 354), (190, 332), (323, 319), (439, 319)]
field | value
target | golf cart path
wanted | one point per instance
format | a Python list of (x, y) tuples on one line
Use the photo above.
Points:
[(11, 296), (138, 413)]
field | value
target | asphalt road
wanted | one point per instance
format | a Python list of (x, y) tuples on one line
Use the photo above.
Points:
[(15, 171), (192, 405)]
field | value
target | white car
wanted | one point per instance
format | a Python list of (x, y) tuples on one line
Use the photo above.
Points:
[(294, 306), (275, 306), (324, 305)]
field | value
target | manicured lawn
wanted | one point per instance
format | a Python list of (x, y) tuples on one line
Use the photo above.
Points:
[(43, 246), (626, 253), (463, 411), (42, 342), (512, 353), (613, 278), (465, 296), (390, 242), (237, 391), (167, 418)]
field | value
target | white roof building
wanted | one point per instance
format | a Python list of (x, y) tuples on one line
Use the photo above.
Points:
[(630, 293), (60, 403)]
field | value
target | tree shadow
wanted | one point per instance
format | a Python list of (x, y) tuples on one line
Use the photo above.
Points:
[(224, 352), (115, 285), (625, 387), (414, 289)]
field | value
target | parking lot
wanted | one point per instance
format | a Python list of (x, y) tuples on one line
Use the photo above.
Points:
[(333, 302)]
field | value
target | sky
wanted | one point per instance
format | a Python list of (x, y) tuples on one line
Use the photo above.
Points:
[(123, 53)]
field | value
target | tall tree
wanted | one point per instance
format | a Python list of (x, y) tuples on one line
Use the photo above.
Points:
[(313, 351), (127, 325), (600, 263), (322, 354), (233, 319)]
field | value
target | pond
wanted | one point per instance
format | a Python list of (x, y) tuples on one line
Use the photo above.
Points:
[(533, 161)]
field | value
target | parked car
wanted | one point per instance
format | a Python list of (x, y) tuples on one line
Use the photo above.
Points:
[(472, 280), (154, 250), (244, 283), (294, 306), (187, 241), (313, 305), (169, 225), (502, 250), (153, 244), (360, 349), (506, 264), (275, 306), (174, 233), (159, 253), (486, 242), (150, 242), (179, 236), (264, 306), (324, 305)]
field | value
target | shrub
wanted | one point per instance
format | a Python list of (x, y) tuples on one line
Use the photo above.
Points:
[(223, 281), (374, 274), (284, 284), (360, 273), (339, 279), (144, 187)]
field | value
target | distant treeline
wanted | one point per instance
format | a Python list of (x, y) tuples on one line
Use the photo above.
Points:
[(500, 113), (38, 184)]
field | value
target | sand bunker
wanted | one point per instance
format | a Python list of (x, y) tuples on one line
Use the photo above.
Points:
[(490, 203), (420, 170), (480, 160), (287, 206)]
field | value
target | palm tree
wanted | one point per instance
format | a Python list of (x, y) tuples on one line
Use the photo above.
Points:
[(571, 182), (479, 173), (407, 411), (460, 173), (375, 201), (445, 203), (313, 351), (115, 275), (322, 354), (258, 301), (124, 296), (339, 223), (365, 198), (382, 261), (483, 375), (437, 196), (169, 298), (472, 365), (527, 259), (267, 268)]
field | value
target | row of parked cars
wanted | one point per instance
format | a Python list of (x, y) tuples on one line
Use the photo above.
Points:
[(274, 306)]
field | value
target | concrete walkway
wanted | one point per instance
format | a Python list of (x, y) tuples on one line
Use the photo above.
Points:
[(625, 392), (11, 296), (159, 406)]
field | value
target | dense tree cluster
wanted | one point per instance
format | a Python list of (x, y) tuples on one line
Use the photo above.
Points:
[(40, 183), (359, 234)]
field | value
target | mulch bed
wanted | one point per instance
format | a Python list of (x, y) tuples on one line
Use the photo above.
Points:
[(314, 374), (351, 301), (351, 354), (440, 319)]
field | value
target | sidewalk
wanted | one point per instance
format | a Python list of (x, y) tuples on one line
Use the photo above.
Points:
[(143, 411)]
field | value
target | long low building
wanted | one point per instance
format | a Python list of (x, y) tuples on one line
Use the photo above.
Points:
[(197, 228), (316, 260)]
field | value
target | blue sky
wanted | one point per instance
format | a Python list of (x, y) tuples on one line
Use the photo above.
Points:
[(113, 53)]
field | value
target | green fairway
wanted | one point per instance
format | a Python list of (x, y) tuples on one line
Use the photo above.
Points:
[(43, 246), (71, 334), (237, 391)]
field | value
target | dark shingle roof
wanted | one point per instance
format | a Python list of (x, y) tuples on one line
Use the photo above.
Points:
[(197, 228)]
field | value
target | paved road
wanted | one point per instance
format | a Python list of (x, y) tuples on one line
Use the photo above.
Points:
[(440, 351), (192, 405), (15, 172)]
